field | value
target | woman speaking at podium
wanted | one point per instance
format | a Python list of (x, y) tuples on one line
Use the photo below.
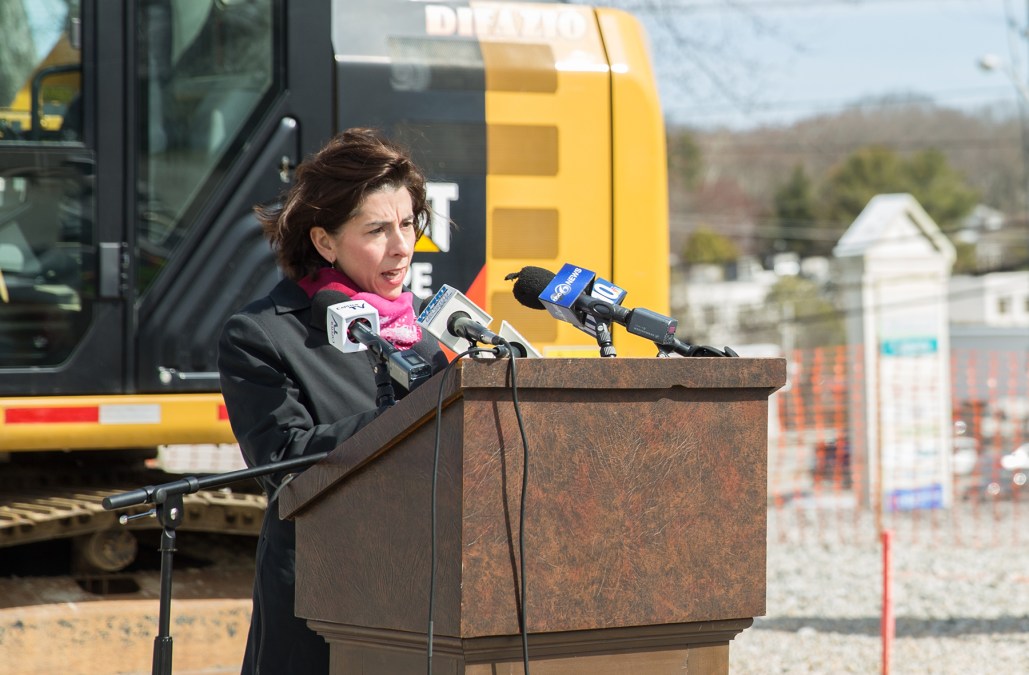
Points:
[(349, 223)]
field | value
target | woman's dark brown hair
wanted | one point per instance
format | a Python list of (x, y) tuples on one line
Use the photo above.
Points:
[(330, 188)]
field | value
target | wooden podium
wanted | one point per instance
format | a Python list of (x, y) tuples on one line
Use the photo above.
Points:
[(645, 520)]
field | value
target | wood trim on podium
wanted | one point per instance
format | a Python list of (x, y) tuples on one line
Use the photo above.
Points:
[(496, 649), (699, 648)]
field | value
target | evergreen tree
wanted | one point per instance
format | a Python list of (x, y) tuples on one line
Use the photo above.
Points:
[(926, 175), (708, 247), (862, 175), (940, 190), (794, 228)]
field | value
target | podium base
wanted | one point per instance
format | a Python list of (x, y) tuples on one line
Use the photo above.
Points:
[(700, 648)]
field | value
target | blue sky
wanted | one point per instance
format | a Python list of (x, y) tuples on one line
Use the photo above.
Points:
[(744, 63)]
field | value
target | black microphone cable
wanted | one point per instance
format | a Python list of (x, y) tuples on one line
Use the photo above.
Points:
[(520, 601), (522, 620), (433, 500)]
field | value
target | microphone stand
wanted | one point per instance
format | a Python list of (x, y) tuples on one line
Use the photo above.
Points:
[(683, 349), (167, 501), (385, 396), (607, 348)]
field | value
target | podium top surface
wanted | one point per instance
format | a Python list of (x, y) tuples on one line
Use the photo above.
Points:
[(628, 373), (765, 375)]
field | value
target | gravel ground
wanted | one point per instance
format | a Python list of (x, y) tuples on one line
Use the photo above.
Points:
[(960, 587), (961, 609)]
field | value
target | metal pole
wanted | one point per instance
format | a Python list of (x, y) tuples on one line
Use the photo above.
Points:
[(162, 664), (887, 622), (170, 515)]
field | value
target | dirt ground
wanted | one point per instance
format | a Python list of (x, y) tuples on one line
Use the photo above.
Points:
[(54, 622)]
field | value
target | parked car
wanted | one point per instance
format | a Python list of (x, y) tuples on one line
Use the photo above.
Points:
[(1017, 459), (832, 463), (1000, 477)]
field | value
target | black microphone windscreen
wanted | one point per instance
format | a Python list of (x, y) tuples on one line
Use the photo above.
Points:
[(531, 281), (321, 302), (420, 303)]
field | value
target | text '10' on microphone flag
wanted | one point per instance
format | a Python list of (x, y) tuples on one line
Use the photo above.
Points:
[(561, 294)]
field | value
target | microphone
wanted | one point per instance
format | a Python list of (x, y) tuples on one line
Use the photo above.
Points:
[(353, 326), (520, 347), (451, 317), (571, 295), (343, 317), (533, 279), (462, 325)]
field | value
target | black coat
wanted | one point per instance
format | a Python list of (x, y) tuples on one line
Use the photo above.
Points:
[(289, 393)]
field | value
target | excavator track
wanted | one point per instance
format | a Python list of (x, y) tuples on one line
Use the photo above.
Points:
[(38, 515), (42, 502)]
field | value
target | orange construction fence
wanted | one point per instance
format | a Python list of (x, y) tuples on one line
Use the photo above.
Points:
[(826, 483)]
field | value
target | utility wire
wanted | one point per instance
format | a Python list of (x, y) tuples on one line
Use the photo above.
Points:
[(838, 313)]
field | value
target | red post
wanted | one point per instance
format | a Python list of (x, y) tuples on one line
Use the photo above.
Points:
[(888, 623)]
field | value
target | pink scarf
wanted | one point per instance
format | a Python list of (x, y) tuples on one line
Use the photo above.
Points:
[(396, 317)]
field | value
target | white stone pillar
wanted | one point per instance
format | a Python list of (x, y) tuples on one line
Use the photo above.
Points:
[(893, 265)]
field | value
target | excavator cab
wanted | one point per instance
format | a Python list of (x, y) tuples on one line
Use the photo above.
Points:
[(137, 136), (105, 170)]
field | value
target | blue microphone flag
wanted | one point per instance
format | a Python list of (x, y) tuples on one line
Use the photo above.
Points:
[(564, 289)]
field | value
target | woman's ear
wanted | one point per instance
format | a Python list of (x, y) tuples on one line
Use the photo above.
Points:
[(322, 241)]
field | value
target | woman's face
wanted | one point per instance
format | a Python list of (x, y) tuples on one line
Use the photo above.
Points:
[(374, 247)]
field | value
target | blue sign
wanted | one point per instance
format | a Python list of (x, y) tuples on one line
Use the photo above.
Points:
[(926, 497)]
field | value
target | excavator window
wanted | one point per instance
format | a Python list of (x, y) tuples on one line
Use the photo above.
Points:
[(46, 199), (204, 68)]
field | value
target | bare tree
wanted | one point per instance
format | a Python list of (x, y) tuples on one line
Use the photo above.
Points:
[(17, 50)]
